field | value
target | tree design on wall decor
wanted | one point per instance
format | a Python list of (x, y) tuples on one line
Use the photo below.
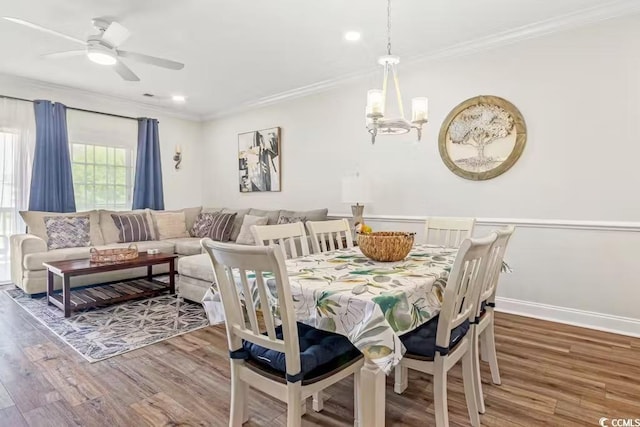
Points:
[(482, 137)]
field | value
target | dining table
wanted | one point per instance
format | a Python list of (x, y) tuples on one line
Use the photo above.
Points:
[(371, 303)]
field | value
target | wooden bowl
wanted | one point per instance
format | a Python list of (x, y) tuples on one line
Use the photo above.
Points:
[(386, 246)]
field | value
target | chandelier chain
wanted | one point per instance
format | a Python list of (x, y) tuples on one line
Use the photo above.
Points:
[(389, 27)]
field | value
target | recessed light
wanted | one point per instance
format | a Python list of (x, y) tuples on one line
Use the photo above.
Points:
[(178, 98), (352, 36)]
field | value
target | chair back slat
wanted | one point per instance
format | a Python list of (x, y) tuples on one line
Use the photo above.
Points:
[(265, 306), (447, 232), (330, 235), (494, 266), (287, 236), (249, 301), (470, 278), (463, 286), (268, 263), (323, 243)]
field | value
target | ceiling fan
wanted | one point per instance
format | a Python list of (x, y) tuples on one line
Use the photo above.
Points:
[(102, 48)]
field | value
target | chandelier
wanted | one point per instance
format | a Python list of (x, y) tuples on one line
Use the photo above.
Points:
[(377, 122)]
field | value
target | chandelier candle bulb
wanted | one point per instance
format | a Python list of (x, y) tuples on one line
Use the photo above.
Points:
[(419, 109), (375, 102)]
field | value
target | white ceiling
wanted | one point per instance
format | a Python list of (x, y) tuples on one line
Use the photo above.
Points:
[(239, 51)]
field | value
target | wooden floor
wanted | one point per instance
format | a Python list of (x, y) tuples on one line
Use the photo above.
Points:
[(552, 374)]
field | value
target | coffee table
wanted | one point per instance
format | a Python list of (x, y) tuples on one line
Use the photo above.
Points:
[(71, 300)]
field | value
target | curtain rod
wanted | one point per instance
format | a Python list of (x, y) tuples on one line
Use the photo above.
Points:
[(76, 109)]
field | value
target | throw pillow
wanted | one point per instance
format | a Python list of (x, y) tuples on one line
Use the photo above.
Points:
[(171, 225), (132, 227), (67, 231), (246, 237), (222, 226), (202, 225), (284, 219)]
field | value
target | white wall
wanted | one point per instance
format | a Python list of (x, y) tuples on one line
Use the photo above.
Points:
[(181, 188), (579, 92)]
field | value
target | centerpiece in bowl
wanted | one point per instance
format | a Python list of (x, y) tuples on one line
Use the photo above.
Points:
[(386, 246)]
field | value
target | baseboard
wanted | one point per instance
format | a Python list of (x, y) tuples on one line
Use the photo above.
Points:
[(570, 316)]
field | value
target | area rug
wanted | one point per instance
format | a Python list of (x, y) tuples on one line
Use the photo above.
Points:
[(100, 333)]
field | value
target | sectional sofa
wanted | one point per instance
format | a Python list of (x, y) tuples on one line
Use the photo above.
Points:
[(30, 250)]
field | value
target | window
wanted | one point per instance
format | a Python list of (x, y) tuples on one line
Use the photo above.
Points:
[(7, 199), (102, 176)]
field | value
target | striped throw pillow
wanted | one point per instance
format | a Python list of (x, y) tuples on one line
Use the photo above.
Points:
[(221, 226), (132, 227)]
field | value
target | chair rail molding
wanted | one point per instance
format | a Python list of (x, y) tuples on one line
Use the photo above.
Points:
[(564, 224)]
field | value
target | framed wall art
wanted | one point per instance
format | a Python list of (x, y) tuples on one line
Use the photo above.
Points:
[(259, 160), (482, 137)]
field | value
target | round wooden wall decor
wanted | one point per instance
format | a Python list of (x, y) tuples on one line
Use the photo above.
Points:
[(482, 137)]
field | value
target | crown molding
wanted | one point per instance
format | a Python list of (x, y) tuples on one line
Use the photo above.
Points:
[(95, 97), (565, 22)]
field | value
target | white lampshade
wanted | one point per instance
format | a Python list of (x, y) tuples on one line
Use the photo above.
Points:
[(355, 189), (419, 109), (375, 102)]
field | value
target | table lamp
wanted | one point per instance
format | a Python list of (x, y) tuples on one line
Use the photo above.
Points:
[(355, 189)]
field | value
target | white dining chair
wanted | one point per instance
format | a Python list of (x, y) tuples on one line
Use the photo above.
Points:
[(330, 235), (290, 362), (435, 347), (483, 326), (284, 235), (447, 232)]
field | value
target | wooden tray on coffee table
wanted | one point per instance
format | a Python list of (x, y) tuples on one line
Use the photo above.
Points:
[(71, 300)]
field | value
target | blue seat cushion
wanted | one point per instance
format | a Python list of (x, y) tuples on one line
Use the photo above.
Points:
[(421, 342), (320, 353)]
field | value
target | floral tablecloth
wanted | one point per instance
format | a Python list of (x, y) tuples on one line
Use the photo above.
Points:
[(372, 303)]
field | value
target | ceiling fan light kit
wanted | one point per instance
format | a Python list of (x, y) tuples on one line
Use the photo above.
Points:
[(100, 54), (103, 48)]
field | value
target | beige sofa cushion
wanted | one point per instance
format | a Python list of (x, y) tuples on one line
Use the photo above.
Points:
[(35, 224), (272, 215), (110, 232), (246, 236), (170, 225), (196, 266), (190, 215), (211, 210), (186, 245), (34, 261)]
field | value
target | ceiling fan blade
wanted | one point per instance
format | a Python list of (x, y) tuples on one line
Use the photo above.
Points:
[(116, 34), (159, 62), (44, 30), (125, 72), (66, 54)]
